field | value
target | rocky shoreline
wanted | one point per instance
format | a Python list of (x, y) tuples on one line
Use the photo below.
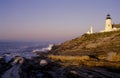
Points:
[(43, 67)]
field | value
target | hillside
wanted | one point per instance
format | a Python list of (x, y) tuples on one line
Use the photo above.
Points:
[(99, 51), (93, 44)]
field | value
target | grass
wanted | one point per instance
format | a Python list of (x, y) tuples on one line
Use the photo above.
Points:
[(83, 61), (69, 60)]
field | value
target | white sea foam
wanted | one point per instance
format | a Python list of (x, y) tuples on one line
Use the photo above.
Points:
[(46, 49)]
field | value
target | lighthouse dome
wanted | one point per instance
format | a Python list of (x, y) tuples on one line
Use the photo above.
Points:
[(108, 16)]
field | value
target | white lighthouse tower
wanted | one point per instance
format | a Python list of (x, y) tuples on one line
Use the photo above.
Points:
[(108, 24)]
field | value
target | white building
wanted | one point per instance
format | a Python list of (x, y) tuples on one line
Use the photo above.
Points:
[(90, 31), (109, 26)]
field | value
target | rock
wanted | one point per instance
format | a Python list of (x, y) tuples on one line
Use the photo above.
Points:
[(72, 74), (47, 75), (13, 72), (39, 75), (18, 59), (43, 62), (113, 56), (85, 74), (91, 76)]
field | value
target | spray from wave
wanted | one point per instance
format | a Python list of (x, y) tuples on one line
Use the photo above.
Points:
[(46, 49)]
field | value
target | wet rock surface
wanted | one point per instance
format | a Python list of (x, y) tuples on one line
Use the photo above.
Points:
[(42, 67)]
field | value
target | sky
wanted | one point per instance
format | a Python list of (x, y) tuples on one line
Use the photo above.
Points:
[(54, 20)]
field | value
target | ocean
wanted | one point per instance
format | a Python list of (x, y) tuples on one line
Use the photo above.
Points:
[(13, 54), (24, 49)]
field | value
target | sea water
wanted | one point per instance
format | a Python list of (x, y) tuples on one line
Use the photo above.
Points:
[(24, 49)]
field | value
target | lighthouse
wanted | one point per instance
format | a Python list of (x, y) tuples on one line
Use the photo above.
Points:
[(108, 23)]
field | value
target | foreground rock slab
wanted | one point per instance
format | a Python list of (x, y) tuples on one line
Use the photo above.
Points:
[(43, 67)]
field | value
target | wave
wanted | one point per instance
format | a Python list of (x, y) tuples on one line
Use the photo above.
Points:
[(46, 49)]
